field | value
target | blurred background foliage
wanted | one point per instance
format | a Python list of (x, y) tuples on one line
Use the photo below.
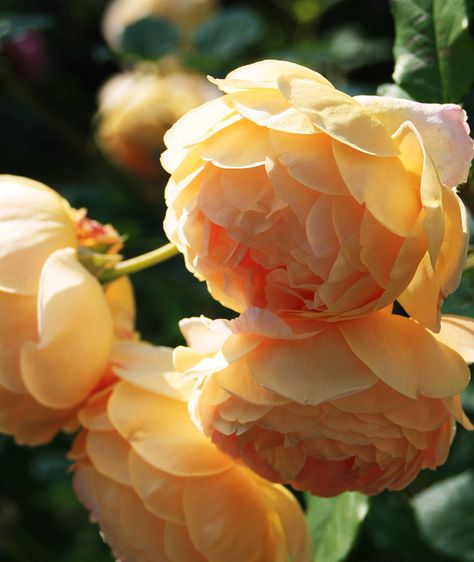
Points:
[(53, 61)]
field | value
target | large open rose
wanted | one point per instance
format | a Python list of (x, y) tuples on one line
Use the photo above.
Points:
[(57, 323), (362, 404), (160, 490), (288, 194)]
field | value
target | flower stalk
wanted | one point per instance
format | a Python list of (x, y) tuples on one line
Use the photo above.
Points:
[(139, 263)]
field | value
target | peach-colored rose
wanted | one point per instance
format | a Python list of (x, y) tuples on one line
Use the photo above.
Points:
[(160, 490), (361, 404), (56, 323), (288, 194), (137, 107), (187, 14)]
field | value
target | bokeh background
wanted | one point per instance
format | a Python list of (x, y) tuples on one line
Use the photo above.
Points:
[(53, 61)]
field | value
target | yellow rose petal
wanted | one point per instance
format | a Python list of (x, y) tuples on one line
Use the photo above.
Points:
[(426, 292), (338, 115), (150, 368), (161, 492), (407, 357), (312, 370), (109, 453), (458, 332), (34, 222), (160, 431), (17, 326), (234, 499), (443, 128), (75, 334)]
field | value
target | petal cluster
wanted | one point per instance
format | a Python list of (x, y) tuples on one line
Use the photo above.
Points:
[(160, 490), (57, 324), (361, 404), (288, 194), (137, 107)]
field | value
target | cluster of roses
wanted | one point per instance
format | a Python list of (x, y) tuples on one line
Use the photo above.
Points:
[(70, 358), (307, 212)]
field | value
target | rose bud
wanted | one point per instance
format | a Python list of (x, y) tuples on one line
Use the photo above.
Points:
[(135, 110)]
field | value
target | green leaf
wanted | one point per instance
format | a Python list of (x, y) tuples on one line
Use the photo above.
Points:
[(445, 512), (333, 523), (392, 91), (433, 49), (150, 38), (228, 33)]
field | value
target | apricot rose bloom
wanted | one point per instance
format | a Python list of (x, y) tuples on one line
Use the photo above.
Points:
[(288, 194), (56, 323), (186, 14), (361, 404), (160, 490), (137, 107)]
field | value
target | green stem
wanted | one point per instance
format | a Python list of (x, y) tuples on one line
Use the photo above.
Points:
[(144, 261)]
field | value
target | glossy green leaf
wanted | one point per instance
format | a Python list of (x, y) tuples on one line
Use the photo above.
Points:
[(445, 512), (334, 523), (433, 49), (228, 33), (150, 38)]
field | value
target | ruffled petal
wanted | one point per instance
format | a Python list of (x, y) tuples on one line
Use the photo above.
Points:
[(178, 545), (235, 505), (133, 533), (162, 493), (292, 520), (121, 300), (160, 431), (425, 294), (18, 322), (338, 115), (406, 356), (28, 422), (458, 332), (75, 334), (272, 110), (383, 184), (201, 123), (265, 74), (310, 371), (34, 222), (230, 147), (150, 368), (309, 160), (109, 454), (443, 128)]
